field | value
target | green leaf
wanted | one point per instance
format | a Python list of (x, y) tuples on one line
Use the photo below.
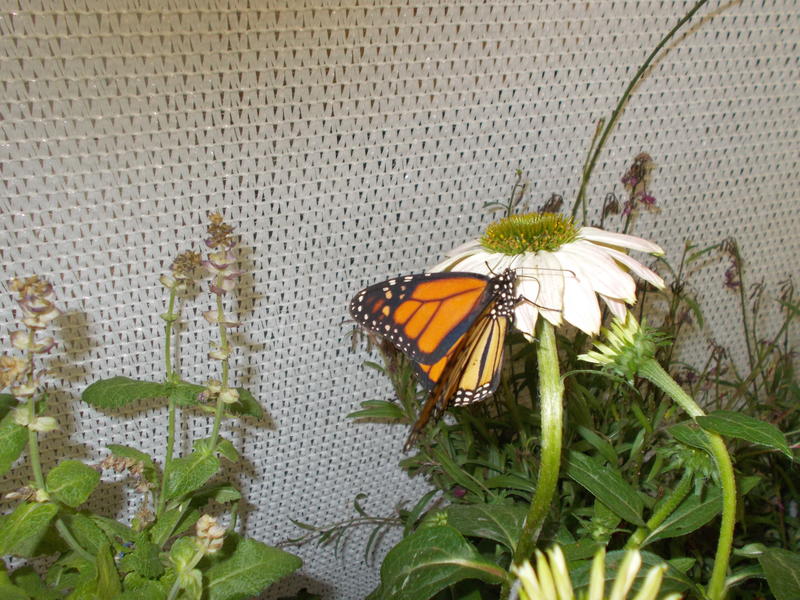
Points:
[(71, 482), (185, 393), (689, 436), (189, 473), (224, 448), (150, 471), (113, 528), (600, 444), (218, 492), (510, 481), (674, 580), (12, 592), (247, 405), (694, 512), (782, 569), (607, 485), (251, 568), (21, 530), (498, 522), (377, 409), (89, 535), (428, 561), (7, 402), (28, 580), (118, 392), (456, 473), (744, 427), (12, 441), (138, 588), (108, 584), (144, 559)]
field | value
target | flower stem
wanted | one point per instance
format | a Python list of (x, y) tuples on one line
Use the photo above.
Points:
[(652, 371), (587, 172), (33, 448), (223, 345), (551, 391), (665, 509), (171, 419)]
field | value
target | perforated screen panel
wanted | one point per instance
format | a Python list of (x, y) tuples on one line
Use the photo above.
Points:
[(348, 142)]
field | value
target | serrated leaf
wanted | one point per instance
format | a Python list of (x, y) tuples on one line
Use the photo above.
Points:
[(189, 473), (739, 425), (428, 561), (694, 512), (162, 529), (607, 486), (138, 588), (12, 441), (499, 522), (185, 393), (113, 528), (218, 492), (377, 409), (782, 569), (118, 392), (143, 559), (71, 482), (21, 530), (251, 568)]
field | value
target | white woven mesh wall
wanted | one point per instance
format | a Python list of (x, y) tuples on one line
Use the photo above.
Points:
[(350, 141)]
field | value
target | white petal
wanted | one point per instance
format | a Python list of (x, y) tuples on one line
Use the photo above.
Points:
[(621, 240), (617, 307), (637, 267), (525, 316), (605, 276), (466, 248), (545, 268), (580, 301)]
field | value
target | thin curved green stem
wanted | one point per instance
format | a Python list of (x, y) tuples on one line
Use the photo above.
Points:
[(652, 371), (70, 540), (665, 509), (551, 392), (587, 173)]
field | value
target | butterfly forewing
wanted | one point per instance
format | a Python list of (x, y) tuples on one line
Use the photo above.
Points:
[(423, 315)]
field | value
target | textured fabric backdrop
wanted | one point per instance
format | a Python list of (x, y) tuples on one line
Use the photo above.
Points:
[(348, 142)]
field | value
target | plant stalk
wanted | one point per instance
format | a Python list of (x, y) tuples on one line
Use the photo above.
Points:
[(587, 173), (223, 344), (172, 408), (551, 392), (653, 372), (666, 508)]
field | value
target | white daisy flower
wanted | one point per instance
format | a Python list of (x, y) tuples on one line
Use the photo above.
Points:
[(561, 269)]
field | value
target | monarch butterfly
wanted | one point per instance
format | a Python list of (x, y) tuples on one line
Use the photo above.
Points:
[(452, 325)]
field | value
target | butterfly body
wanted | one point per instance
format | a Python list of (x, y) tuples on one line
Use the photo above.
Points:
[(452, 325)]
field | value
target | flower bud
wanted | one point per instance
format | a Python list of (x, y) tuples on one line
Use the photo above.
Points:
[(229, 396)]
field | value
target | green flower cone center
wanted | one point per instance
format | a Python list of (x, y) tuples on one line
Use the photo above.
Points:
[(518, 234)]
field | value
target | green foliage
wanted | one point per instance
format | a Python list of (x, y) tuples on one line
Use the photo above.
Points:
[(157, 555), (430, 560), (21, 531), (12, 441), (71, 482), (250, 567), (635, 474)]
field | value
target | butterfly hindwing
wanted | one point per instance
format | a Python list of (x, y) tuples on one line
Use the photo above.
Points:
[(452, 325)]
